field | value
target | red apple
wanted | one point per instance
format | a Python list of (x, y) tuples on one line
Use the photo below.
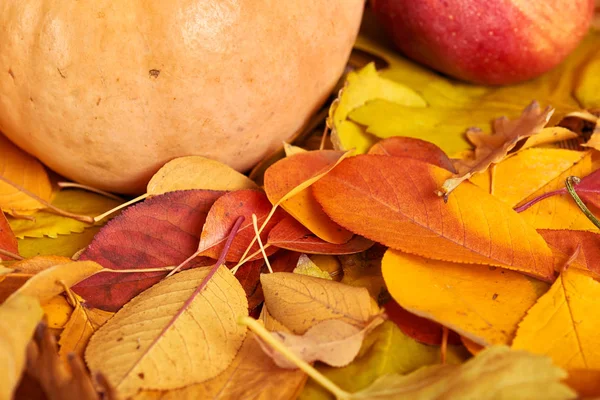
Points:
[(493, 42)]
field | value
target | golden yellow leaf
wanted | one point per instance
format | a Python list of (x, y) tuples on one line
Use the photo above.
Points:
[(57, 311), (45, 285), (290, 149), (307, 267), (196, 172), (300, 301), (62, 245), (19, 316), (52, 225), (535, 168), (564, 323), (549, 135), (484, 304), (172, 321), (26, 171)]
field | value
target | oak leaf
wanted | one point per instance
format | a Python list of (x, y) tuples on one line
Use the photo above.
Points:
[(485, 304), (196, 172), (402, 146), (290, 173), (8, 241), (491, 149), (26, 171), (189, 317), (560, 325), (392, 201), (162, 231), (300, 301)]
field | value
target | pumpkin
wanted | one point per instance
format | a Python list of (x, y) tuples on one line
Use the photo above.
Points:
[(106, 92)]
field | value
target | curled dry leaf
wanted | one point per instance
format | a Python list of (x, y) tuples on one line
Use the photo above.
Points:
[(19, 316), (392, 201), (223, 214), (291, 172), (563, 324), (300, 301), (292, 235), (495, 373), (484, 304), (333, 342), (26, 171), (196, 172), (190, 317), (402, 146), (491, 149), (8, 241), (162, 231)]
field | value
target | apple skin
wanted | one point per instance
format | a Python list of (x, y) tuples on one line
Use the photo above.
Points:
[(494, 42)]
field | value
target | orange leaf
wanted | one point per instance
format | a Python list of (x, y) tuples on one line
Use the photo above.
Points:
[(491, 149), (565, 243), (8, 241), (392, 201), (403, 146), (288, 173)]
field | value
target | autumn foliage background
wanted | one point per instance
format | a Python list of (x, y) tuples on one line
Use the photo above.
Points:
[(437, 238)]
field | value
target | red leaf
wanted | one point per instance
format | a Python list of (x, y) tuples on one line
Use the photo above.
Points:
[(249, 276), (421, 329), (284, 261), (162, 231), (223, 215), (292, 235), (564, 243), (8, 241), (402, 146)]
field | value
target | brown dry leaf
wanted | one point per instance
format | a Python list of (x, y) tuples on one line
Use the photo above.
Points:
[(19, 316), (491, 149), (172, 321), (333, 342), (26, 171), (300, 301), (196, 172), (46, 284)]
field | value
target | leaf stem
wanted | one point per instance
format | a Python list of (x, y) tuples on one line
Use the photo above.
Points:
[(126, 271), (67, 185), (251, 256), (100, 217), (569, 183), (266, 336), (83, 218), (10, 254), (444, 346), (260, 244)]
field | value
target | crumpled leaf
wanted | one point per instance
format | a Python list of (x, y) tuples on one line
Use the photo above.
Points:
[(162, 231), (385, 350), (198, 328), (223, 215), (292, 235), (565, 243), (491, 149), (307, 267), (299, 301), (286, 174), (402, 146), (19, 315), (485, 304), (380, 197), (75, 201), (563, 324), (196, 172), (26, 171), (535, 168), (333, 342), (8, 241), (495, 373)]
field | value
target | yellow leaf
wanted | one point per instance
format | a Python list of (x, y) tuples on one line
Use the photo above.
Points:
[(62, 245), (534, 167), (549, 135), (485, 304), (26, 171), (168, 322), (290, 149), (307, 267), (564, 323), (57, 311), (300, 301), (196, 172), (495, 373), (52, 225), (19, 316)]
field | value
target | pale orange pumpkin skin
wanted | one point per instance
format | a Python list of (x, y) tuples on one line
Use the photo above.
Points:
[(106, 92)]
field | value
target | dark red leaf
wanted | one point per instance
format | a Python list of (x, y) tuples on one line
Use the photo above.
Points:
[(564, 243), (402, 146), (292, 235), (162, 231), (249, 276), (8, 241), (223, 215), (421, 329)]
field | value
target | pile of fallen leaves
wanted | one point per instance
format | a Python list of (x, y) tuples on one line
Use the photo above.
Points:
[(384, 267)]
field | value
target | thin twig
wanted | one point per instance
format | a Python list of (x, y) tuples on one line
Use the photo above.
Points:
[(67, 185), (444, 347), (10, 254), (324, 137), (130, 202), (250, 257), (569, 183), (262, 249)]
